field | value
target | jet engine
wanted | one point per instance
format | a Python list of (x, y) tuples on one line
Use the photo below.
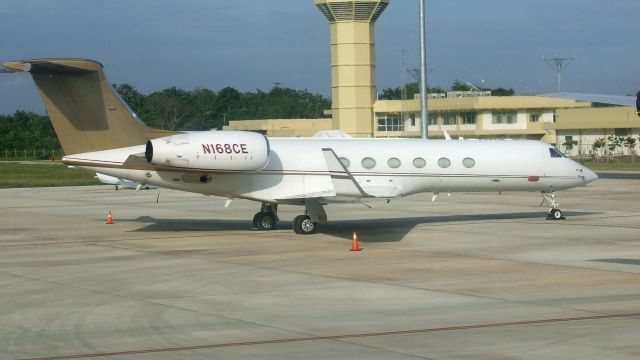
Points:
[(238, 151)]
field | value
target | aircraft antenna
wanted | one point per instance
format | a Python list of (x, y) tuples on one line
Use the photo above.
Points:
[(558, 64)]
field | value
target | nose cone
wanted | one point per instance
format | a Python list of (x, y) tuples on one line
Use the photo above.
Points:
[(589, 175)]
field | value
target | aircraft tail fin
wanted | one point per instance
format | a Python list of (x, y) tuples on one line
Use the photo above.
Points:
[(87, 114)]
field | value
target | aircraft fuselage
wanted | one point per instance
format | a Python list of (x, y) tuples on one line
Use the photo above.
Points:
[(373, 168)]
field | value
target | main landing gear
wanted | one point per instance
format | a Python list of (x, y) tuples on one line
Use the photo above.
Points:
[(314, 214), (549, 198), (303, 225), (267, 217)]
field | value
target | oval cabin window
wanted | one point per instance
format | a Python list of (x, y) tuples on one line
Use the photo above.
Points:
[(368, 163), (345, 162), (468, 163), (444, 162), (394, 163), (419, 162)]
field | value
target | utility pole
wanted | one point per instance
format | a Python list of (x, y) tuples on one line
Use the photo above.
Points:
[(424, 116), (558, 64)]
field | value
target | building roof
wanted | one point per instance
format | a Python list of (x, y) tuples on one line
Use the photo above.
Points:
[(478, 103)]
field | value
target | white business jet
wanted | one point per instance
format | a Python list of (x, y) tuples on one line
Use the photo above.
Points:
[(122, 183), (99, 132)]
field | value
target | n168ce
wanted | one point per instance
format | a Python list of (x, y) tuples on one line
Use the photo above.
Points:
[(224, 148)]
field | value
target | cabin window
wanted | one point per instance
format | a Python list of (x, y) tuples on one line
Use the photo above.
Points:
[(368, 163), (345, 162), (419, 162), (555, 153), (394, 163), (444, 162), (468, 163)]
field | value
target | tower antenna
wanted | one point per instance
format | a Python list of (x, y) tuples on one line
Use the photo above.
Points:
[(558, 64)]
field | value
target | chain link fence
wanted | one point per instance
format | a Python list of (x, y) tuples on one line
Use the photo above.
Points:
[(31, 154)]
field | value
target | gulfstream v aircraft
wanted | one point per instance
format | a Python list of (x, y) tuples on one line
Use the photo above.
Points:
[(98, 132)]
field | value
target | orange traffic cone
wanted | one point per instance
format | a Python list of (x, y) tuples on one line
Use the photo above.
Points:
[(109, 218), (355, 246)]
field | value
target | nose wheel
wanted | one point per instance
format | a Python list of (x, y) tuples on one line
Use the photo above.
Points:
[(555, 213)]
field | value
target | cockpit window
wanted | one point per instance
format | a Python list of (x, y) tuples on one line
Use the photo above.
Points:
[(555, 153)]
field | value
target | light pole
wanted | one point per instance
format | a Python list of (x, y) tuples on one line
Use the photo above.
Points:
[(424, 116)]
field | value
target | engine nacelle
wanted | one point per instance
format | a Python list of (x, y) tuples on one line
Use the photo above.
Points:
[(210, 150)]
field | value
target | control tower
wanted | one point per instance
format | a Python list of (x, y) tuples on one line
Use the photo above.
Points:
[(353, 85)]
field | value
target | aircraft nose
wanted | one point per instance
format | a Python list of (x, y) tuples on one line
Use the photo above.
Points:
[(588, 175)]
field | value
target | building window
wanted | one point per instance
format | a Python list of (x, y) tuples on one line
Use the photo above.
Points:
[(390, 122), (468, 118), (449, 119), (413, 119), (535, 118), (621, 132), (507, 117), (433, 119)]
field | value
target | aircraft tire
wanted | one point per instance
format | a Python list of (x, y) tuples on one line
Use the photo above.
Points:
[(555, 214), (265, 221), (256, 218), (303, 225)]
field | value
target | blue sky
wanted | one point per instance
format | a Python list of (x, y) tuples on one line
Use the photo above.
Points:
[(252, 44)]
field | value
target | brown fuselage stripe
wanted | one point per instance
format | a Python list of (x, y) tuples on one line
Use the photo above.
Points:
[(335, 337)]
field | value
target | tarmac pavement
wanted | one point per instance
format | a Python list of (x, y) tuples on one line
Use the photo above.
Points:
[(470, 276)]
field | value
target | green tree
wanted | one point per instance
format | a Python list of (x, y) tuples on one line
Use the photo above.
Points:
[(135, 99), (630, 143), (598, 145), (173, 109), (613, 143)]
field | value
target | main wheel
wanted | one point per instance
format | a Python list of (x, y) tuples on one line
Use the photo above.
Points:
[(265, 221), (303, 225), (256, 218)]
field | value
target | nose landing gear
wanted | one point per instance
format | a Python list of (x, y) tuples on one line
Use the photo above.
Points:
[(549, 198)]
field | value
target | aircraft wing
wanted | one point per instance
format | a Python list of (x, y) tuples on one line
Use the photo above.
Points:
[(605, 99)]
